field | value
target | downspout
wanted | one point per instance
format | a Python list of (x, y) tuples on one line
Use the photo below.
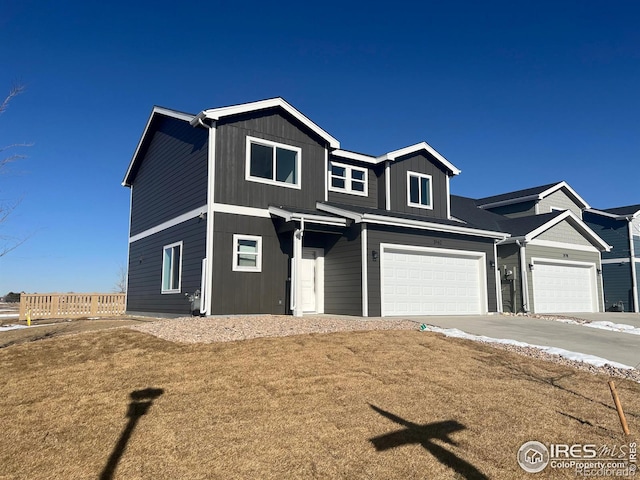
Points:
[(523, 276), (296, 305), (632, 257), (387, 185), (496, 271), (365, 287)]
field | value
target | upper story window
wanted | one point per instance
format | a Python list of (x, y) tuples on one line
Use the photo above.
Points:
[(171, 267), (348, 179), (419, 192), (274, 163)]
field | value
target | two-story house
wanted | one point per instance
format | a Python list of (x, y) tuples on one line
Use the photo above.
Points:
[(620, 227), (259, 209), (551, 260)]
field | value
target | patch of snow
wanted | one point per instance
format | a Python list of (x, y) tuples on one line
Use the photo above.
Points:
[(576, 356), (9, 315), (614, 327), (6, 328)]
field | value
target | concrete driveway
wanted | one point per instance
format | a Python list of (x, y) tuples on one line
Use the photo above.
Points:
[(618, 347)]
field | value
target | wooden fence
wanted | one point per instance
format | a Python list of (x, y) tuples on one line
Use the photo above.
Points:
[(71, 305)]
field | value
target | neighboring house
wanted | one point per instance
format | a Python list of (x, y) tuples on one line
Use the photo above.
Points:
[(260, 209), (551, 262), (620, 227)]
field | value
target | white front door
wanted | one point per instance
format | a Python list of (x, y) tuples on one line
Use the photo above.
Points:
[(312, 280)]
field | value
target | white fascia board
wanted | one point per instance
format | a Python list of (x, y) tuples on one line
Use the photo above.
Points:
[(356, 217), (155, 111), (169, 223), (509, 201), (561, 185), (613, 215), (416, 148), (310, 218), (581, 226), (359, 157), (241, 210), (218, 113)]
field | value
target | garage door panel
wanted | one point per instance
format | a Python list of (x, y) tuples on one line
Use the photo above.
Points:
[(561, 287), (432, 283)]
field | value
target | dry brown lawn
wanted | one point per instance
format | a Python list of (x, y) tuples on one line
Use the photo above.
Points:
[(365, 405)]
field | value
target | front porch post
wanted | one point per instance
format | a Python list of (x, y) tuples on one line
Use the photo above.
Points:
[(296, 288)]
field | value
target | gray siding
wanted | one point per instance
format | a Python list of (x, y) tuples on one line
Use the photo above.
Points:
[(559, 200), (145, 269), (564, 232), (614, 232), (370, 201), (561, 254), (230, 184), (509, 261), (250, 292), (377, 234), (516, 210), (419, 163), (382, 191), (343, 274), (172, 177), (618, 285)]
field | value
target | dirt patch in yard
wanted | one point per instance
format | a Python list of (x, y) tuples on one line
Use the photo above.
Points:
[(360, 405)]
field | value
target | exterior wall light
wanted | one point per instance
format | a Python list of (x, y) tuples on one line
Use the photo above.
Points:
[(374, 255)]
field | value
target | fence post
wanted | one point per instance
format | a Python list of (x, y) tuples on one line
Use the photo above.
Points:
[(23, 307), (94, 305), (54, 308)]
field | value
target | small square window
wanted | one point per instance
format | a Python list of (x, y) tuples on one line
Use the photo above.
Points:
[(171, 268), (247, 253), (348, 179), (419, 190)]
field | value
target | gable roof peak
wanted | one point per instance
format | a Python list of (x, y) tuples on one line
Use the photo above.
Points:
[(395, 154), (531, 194)]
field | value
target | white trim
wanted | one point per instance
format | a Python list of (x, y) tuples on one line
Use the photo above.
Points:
[(551, 261), (569, 215), (481, 256), (274, 146), (126, 285), (634, 275), (169, 223), (203, 287), (359, 157), (402, 222), (564, 246), (364, 258), (508, 202), (561, 185), (318, 279), (420, 176), (612, 215), (448, 198), (348, 179), (211, 183), (240, 268), (416, 148), (311, 218), (540, 196), (171, 290), (387, 185), (536, 208), (498, 280), (609, 261), (155, 111), (326, 169), (241, 210), (218, 113), (296, 290), (524, 279)]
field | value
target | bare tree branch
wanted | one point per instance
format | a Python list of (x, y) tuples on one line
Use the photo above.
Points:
[(14, 92)]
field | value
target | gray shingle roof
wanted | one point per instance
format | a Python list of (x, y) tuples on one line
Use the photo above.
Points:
[(517, 194)]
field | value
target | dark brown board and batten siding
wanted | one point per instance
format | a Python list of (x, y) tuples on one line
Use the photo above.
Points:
[(343, 273)]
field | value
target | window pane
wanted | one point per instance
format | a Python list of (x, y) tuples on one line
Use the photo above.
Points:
[(357, 186), (247, 260), (286, 166), (166, 269), (424, 191), (337, 182), (357, 175), (247, 246), (338, 171), (261, 161), (175, 264), (414, 194)]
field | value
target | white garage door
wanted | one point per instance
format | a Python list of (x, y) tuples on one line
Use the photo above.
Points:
[(564, 287), (429, 281)]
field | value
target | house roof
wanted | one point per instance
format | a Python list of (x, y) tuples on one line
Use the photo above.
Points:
[(521, 228), (311, 216), (618, 213), (385, 217), (155, 112), (530, 194), (278, 102)]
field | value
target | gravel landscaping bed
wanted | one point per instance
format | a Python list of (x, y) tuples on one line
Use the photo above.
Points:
[(242, 327)]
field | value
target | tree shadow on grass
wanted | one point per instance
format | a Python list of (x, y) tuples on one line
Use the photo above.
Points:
[(424, 435), (141, 401)]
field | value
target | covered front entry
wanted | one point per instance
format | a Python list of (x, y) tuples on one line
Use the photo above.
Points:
[(432, 281), (312, 280), (564, 286)]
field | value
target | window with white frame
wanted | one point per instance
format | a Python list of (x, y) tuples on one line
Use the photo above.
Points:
[(419, 192), (247, 253), (171, 267), (271, 162), (348, 179)]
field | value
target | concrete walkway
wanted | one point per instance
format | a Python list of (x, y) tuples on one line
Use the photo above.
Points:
[(619, 347)]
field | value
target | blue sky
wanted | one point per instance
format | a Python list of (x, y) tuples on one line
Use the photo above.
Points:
[(515, 94)]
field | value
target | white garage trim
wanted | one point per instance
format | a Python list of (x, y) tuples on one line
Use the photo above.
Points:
[(480, 257), (589, 304)]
